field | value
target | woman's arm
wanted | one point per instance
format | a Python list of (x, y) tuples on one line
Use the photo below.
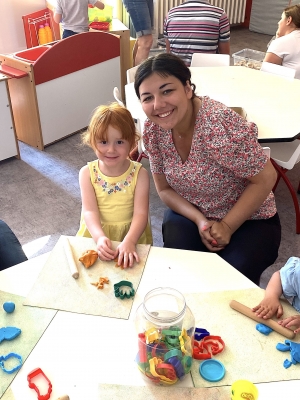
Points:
[(127, 249), (91, 215), (180, 205)]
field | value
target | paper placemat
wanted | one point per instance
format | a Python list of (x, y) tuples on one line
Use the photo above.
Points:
[(32, 322), (56, 288), (248, 354), (120, 392)]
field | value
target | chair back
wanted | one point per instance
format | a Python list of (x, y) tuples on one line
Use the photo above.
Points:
[(285, 154), (278, 70), (117, 97), (210, 60), (130, 73)]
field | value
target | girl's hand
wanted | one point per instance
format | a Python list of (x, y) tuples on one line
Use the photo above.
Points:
[(206, 236), (126, 253), (269, 307), (105, 251), (289, 322)]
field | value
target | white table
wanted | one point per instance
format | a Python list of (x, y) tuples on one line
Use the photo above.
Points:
[(271, 101), (81, 351)]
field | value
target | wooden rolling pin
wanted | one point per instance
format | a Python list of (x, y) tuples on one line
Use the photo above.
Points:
[(70, 258), (269, 322)]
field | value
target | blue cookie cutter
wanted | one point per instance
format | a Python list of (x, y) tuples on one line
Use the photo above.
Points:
[(200, 333), (5, 358), (119, 292)]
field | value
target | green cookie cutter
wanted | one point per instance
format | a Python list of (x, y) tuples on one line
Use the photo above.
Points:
[(124, 293)]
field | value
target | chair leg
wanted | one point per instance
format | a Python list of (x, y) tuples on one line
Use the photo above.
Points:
[(282, 173), (142, 155)]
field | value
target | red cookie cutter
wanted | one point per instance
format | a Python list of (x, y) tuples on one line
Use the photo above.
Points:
[(208, 346), (32, 385)]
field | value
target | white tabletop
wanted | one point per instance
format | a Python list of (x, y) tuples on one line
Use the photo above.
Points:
[(271, 101), (81, 351)]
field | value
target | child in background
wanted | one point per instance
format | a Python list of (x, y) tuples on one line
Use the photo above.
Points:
[(284, 282), (114, 189), (74, 15)]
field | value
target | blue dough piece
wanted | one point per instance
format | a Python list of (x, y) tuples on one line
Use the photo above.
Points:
[(9, 306), (282, 347), (9, 333), (287, 363), (264, 329)]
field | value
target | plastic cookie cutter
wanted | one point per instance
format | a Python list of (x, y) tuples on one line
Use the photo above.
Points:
[(152, 335), (185, 342), (153, 362), (172, 336), (8, 356), (32, 385), (200, 333), (208, 346), (122, 293)]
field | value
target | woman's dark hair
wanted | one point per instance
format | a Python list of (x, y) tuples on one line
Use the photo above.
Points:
[(164, 64), (294, 12)]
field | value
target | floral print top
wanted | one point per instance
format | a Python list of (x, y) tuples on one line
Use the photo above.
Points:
[(224, 153)]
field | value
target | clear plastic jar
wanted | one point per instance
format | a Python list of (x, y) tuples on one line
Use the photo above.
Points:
[(165, 332)]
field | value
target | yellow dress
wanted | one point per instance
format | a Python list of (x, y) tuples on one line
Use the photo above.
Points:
[(115, 198)]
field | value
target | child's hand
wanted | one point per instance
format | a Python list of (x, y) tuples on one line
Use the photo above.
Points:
[(269, 307), (105, 251), (126, 254), (291, 321)]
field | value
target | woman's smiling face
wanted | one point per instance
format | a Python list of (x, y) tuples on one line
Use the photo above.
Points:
[(165, 100)]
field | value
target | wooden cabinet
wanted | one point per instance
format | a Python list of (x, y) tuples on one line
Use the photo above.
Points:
[(8, 142)]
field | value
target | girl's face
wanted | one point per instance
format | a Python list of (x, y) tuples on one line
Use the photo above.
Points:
[(165, 100), (113, 151), (283, 25)]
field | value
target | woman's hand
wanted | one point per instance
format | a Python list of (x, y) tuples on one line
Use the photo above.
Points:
[(105, 251), (221, 232), (289, 322), (207, 238), (126, 253), (269, 307)]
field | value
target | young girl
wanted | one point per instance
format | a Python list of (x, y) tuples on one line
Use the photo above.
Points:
[(286, 282), (114, 189)]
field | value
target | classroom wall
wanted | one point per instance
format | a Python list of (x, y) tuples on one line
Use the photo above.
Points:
[(12, 36)]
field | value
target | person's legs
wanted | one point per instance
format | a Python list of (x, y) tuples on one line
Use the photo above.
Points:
[(181, 233), (11, 252), (254, 247), (141, 14)]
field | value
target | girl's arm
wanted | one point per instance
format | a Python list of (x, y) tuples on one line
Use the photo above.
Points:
[(273, 59), (91, 215), (183, 207), (271, 305), (251, 199), (127, 249)]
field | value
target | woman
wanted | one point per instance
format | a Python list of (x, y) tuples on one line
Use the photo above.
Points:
[(208, 169), (285, 49)]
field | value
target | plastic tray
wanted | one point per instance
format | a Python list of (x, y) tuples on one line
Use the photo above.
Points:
[(249, 58)]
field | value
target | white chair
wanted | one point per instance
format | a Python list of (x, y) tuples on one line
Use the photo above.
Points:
[(130, 73), (284, 156), (276, 69), (210, 60), (117, 97)]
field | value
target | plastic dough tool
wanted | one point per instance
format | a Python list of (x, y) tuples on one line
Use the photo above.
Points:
[(269, 322)]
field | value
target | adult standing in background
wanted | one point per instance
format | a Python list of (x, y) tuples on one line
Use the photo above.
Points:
[(141, 14), (74, 15), (285, 49), (196, 26)]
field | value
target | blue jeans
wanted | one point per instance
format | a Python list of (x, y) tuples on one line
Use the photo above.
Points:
[(67, 33), (253, 246), (11, 252), (141, 14)]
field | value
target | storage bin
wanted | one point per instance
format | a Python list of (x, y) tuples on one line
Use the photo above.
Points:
[(97, 15), (249, 58)]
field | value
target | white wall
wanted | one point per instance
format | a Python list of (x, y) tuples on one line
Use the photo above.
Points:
[(12, 37)]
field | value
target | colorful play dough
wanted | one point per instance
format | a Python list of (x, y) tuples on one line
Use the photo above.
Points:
[(9, 306)]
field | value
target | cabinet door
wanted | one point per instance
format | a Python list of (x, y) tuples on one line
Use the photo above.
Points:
[(8, 144)]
